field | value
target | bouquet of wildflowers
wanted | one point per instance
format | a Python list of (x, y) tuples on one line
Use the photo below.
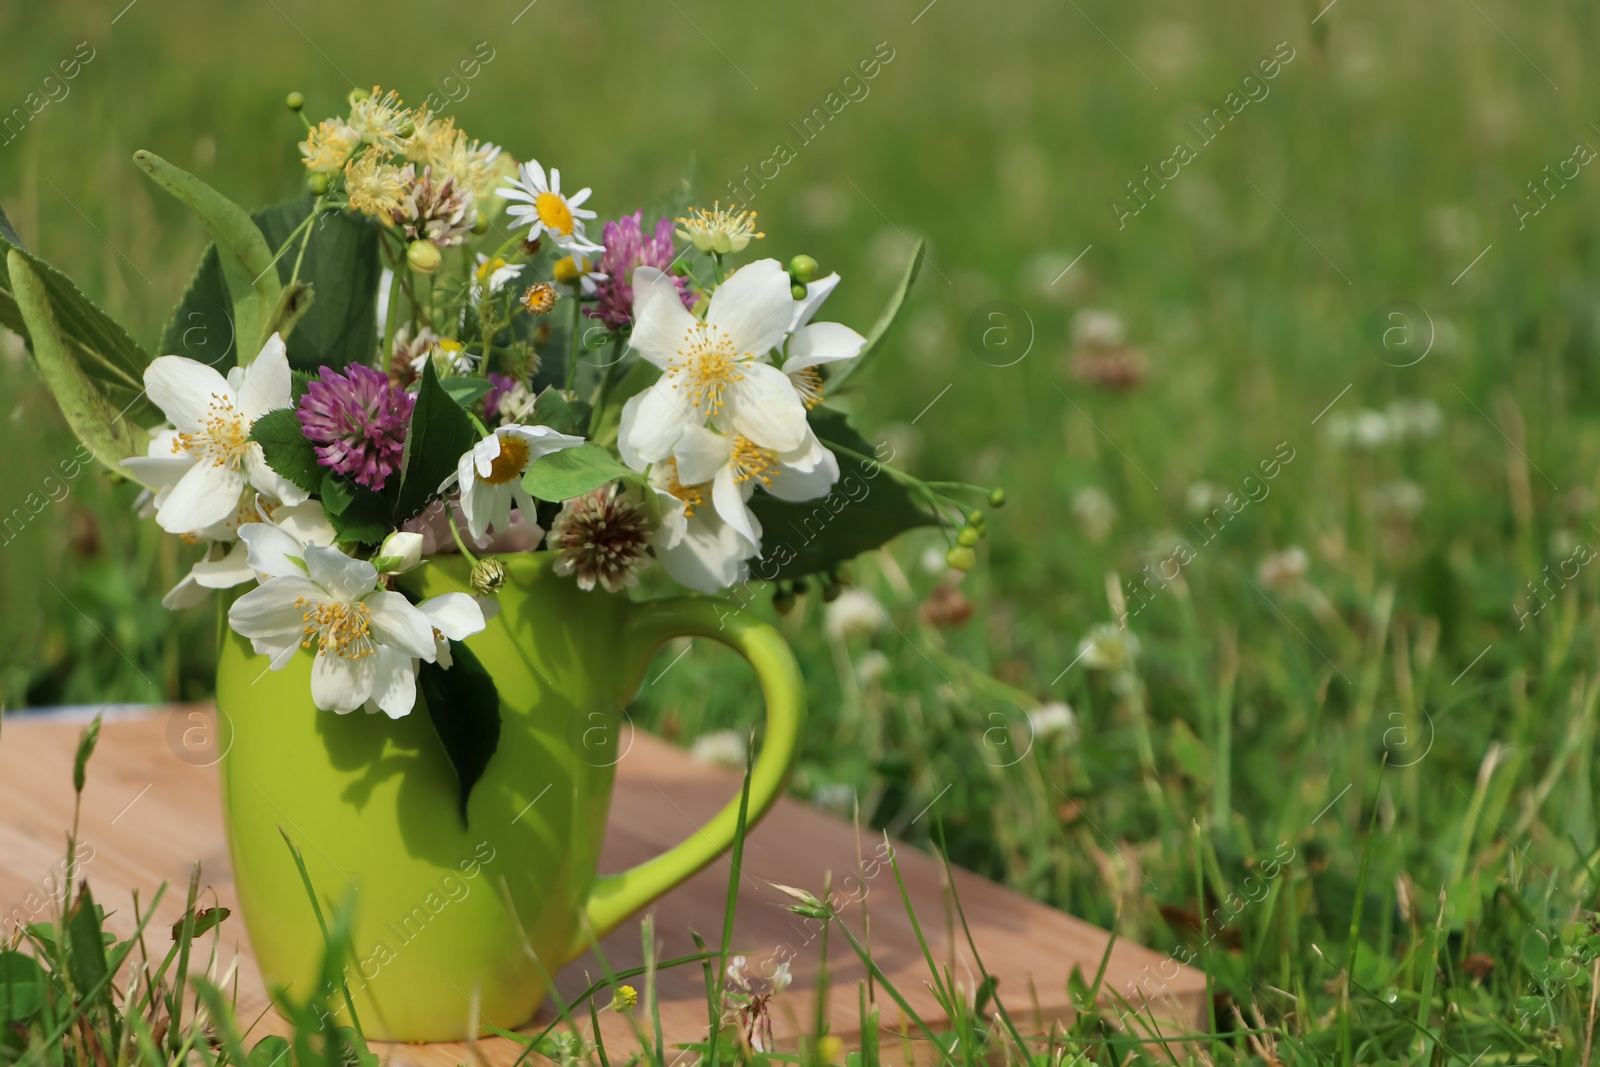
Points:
[(439, 349)]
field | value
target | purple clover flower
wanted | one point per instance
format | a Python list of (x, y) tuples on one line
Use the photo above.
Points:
[(499, 386), (628, 247), (358, 421)]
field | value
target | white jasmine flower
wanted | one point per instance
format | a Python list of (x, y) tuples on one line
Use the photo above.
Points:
[(695, 546), (490, 474), (725, 747), (735, 465), (540, 205), (1052, 719), (718, 368), (454, 617), (853, 613), (812, 344), (202, 468), (367, 639), (224, 568)]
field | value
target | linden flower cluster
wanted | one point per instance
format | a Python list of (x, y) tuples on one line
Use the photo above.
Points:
[(618, 394)]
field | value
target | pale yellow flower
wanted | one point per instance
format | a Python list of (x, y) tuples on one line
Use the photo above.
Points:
[(328, 145), (375, 188), (719, 230), (382, 120)]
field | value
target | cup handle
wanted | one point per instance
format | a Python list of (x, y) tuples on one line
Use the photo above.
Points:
[(614, 897)]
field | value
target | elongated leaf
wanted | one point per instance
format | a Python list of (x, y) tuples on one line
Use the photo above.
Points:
[(573, 472), (246, 260), (22, 986), (440, 434), (86, 949), (106, 354), (465, 390), (108, 433), (886, 321), (464, 706), (292, 307), (286, 449), (866, 508)]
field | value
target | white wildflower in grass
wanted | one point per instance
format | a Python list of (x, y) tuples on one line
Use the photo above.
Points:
[(718, 230), (1397, 499), (871, 666), (1203, 497), (490, 474), (1283, 570), (366, 639), (1414, 419), (1095, 513), (492, 274), (837, 797), (717, 369), (854, 613), (1109, 647), (1053, 719), (1095, 328), (725, 748), (202, 468), (1364, 429), (538, 203)]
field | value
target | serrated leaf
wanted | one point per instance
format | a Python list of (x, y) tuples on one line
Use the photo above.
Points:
[(440, 434), (464, 706), (866, 509), (466, 390), (286, 449), (356, 513), (554, 410), (97, 423), (106, 353), (341, 265), (246, 261), (886, 321), (573, 472)]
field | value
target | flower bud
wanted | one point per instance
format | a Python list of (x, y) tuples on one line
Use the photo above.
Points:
[(997, 498), (296, 101), (783, 600), (358, 95), (968, 536), (317, 183), (624, 998), (480, 225), (399, 552), (961, 558), (801, 586), (802, 268), (797, 291), (488, 576), (424, 256), (975, 518)]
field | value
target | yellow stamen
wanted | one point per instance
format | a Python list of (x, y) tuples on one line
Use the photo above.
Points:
[(540, 298), (223, 438), (808, 383), (693, 496), (336, 626), (707, 363), (750, 460)]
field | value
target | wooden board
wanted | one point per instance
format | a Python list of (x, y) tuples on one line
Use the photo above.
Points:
[(149, 816)]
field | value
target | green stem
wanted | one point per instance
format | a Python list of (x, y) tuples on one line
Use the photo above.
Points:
[(305, 241), (466, 553), (572, 345), (607, 380)]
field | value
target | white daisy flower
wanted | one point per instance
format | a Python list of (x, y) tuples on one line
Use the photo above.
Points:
[(367, 639), (202, 469), (811, 344), (718, 368), (735, 465), (490, 474), (449, 357), (544, 209), (492, 274)]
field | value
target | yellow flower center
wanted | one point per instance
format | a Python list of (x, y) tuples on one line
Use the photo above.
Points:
[(707, 364), (341, 628), (554, 212), (223, 438), (750, 460), (512, 460), (693, 496), (488, 267)]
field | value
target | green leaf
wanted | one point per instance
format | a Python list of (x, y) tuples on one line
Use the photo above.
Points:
[(292, 306), (110, 436), (357, 514), (341, 266), (22, 986), (204, 921), (867, 508), (270, 1051), (554, 410), (573, 472), (246, 259), (106, 354), (465, 708), (286, 449), (466, 390), (886, 321), (80, 762), (86, 948), (440, 434)]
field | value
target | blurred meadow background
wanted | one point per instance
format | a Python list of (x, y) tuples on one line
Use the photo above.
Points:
[(1378, 280)]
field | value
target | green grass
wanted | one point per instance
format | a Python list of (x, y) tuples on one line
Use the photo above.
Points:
[(1387, 718)]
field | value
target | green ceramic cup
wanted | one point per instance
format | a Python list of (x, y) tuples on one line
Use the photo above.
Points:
[(372, 805)]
